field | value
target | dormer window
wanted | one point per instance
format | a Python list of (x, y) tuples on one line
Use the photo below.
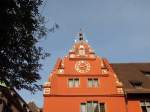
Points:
[(146, 73), (136, 83), (145, 106)]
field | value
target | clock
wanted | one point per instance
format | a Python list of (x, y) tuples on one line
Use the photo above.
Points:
[(82, 66)]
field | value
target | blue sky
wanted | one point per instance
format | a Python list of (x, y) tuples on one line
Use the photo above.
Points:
[(118, 30)]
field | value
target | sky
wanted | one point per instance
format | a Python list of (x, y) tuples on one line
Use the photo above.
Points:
[(118, 30)]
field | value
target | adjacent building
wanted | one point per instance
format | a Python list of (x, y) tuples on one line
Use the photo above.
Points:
[(11, 101), (136, 85), (85, 82)]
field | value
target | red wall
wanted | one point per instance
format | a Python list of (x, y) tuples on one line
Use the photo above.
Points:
[(72, 103), (61, 98), (134, 106)]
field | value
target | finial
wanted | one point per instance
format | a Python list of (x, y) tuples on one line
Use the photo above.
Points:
[(80, 35)]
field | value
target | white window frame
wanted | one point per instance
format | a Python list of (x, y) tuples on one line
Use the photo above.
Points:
[(73, 79), (86, 106), (93, 79), (145, 103)]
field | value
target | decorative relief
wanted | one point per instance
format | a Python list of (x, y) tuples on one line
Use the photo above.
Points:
[(46, 91), (47, 84), (60, 71), (119, 84), (72, 55), (47, 87), (120, 91), (104, 71)]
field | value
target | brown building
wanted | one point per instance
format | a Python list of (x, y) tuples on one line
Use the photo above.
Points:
[(11, 101), (33, 107), (136, 84)]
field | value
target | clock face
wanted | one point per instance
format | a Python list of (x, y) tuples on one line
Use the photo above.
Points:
[(82, 66)]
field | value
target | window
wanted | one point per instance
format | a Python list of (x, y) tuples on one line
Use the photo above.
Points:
[(92, 106), (93, 82), (71, 83), (89, 106), (83, 107), (74, 82), (102, 107), (147, 74), (145, 106), (136, 83), (90, 83), (95, 107)]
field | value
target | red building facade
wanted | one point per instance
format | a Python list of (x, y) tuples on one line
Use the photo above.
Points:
[(85, 82)]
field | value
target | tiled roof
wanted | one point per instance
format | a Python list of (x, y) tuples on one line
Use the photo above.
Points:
[(133, 72)]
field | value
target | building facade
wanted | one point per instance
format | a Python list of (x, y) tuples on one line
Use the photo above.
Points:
[(85, 82), (11, 101), (136, 85)]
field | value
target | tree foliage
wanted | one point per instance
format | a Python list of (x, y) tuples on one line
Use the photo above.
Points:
[(21, 27)]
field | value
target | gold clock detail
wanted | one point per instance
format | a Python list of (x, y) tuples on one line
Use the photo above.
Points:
[(82, 66)]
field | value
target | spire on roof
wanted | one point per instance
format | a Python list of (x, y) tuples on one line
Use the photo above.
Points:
[(80, 36)]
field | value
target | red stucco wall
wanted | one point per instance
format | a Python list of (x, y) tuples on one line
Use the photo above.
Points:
[(61, 98)]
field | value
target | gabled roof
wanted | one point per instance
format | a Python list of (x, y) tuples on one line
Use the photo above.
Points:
[(133, 72)]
